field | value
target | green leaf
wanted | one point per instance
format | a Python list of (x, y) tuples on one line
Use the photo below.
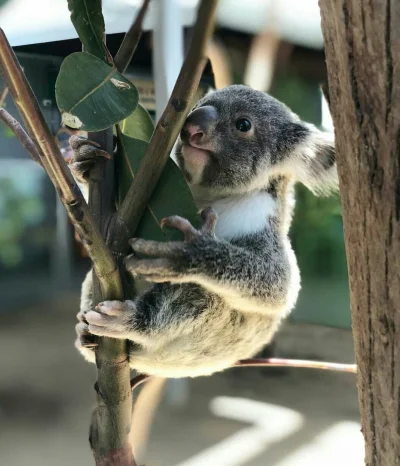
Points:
[(171, 196), (139, 125), (91, 95), (87, 18)]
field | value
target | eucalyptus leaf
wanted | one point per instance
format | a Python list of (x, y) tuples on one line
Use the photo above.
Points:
[(171, 196), (87, 18), (139, 125), (92, 95)]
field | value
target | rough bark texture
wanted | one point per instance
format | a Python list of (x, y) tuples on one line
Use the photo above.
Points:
[(362, 41)]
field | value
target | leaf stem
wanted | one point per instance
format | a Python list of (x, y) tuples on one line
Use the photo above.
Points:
[(131, 40)]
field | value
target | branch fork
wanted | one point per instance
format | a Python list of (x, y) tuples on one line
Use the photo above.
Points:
[(109, 439)]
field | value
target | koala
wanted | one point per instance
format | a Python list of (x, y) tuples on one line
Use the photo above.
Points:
[(219, 295)]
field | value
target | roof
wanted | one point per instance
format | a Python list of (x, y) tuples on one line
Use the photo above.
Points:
[(298, 21)]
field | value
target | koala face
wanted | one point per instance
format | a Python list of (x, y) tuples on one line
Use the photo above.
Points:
[(234, 136)]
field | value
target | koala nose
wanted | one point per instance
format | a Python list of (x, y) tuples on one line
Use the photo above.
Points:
[(198, 123), (195, 134)]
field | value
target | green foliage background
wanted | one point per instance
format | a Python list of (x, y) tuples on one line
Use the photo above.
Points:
[(317, 229)]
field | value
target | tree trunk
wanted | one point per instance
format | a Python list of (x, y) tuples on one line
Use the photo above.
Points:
[(362, 42)]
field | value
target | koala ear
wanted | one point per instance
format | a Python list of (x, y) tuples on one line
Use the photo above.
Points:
[(313, 162)]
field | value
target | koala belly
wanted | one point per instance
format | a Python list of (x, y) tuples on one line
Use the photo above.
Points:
[(214, 345)]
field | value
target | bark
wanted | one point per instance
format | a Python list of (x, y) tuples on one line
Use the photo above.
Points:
[(111, 420), (362, 41)]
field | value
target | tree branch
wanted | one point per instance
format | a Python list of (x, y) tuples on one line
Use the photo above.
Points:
[(109, 436), (58, 171), (131, 40), (21, 134), (171, 122), (114, 395)]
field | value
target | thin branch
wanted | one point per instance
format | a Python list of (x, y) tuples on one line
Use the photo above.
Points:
[(171, 121), (273, 362), (277, 362), (131, 40), (58, 171), (138, 380), (20, 133)]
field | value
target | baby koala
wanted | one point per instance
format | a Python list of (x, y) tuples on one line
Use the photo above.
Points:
[(220, 294)]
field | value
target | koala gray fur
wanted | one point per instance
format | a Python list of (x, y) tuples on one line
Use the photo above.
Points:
[(220, 295)]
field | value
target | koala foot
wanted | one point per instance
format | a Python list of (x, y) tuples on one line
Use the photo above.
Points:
[(111, 319), (169, 262), (86, 153)]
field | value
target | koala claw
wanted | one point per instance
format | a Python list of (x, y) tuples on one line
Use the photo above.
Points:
[(86, 339), (208, 216), (110, 319), (181, 224), (85, 154)]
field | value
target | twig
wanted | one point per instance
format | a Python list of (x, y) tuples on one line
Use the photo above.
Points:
[(58, 171), (138, 380), (131, 40), (277, 362), (20, 133), (3, 96), (274, 362), (171, 121)]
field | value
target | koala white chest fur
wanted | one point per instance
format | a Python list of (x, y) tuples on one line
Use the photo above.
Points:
[(219, 295)]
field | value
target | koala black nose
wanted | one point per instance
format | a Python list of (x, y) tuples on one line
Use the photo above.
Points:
[(198, 124)]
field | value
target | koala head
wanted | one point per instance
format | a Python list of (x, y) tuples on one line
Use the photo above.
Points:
[(237, 139)]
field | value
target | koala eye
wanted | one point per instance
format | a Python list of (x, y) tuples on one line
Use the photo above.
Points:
[(243, 125)]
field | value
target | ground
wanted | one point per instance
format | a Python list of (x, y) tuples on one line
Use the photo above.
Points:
[(291, 417)]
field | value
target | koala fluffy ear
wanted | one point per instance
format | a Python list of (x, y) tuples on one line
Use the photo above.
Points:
[(313, 162)]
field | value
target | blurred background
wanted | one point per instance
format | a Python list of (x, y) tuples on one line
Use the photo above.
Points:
[(280, 417)]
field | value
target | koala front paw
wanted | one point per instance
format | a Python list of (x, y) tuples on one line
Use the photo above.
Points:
[(86, 153), (171, 262), (111, 319)]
